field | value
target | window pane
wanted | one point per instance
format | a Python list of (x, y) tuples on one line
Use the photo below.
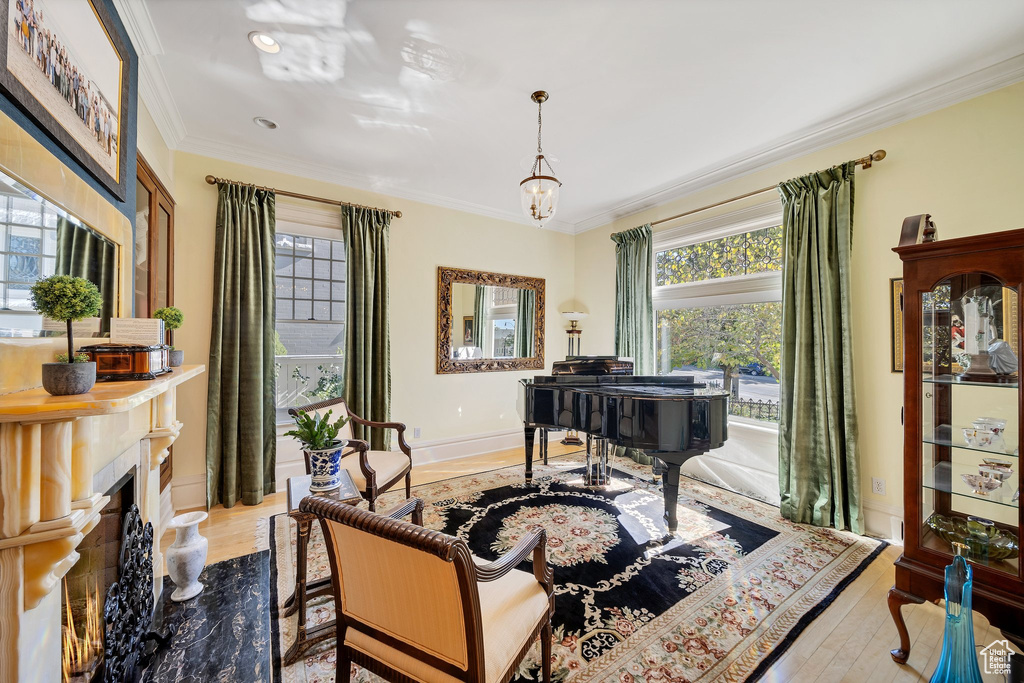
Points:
[(337, 311), (338, 270), (321, 289), (303, 289), (757, 251), (303, 266), (322, 269), (322, 248), (322, 310), (283, 243), (303, 310), (338, 250), (734, 347), (283, 285), (338, 291), (284, 309), (284, 265)]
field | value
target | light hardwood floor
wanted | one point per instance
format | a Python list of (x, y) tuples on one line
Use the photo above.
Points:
[(850, 641)]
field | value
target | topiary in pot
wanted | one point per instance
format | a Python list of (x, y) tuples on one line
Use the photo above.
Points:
[(67, 298), (320, 442), (173, 319)]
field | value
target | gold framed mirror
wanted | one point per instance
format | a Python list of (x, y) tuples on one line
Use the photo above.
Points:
[(488, 322)]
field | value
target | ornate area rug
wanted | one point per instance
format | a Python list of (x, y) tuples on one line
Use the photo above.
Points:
[(720, 602)]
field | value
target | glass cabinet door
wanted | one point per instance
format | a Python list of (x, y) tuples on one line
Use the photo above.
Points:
[(970, 469)]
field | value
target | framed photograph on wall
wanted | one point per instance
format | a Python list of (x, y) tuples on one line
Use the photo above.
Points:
[(467, 331), (896, 318), (66, 65)]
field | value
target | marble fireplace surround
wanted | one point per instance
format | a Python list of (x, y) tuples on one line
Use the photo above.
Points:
[(56, 454)]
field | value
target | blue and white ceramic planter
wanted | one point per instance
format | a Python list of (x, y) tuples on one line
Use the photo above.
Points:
[(325, 466)]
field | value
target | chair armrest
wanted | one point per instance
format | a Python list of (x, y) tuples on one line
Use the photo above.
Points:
[(413, 505), (361, 447), (536, 542), (397, 426)]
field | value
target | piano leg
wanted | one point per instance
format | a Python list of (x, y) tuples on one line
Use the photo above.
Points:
[(529, 452), (543, 445), (670, 486)]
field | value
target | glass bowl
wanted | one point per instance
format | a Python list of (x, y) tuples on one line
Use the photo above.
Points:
[(981, 536)]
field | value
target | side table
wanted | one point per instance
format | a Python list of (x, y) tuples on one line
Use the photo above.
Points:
[(298, 488)]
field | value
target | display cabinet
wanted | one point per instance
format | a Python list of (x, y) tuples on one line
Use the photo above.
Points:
[(962, 418)]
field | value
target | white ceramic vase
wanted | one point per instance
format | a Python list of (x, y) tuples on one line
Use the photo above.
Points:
[(187, 555)]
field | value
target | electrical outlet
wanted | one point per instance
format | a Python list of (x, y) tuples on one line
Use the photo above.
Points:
[(416, 432), (878, 486)]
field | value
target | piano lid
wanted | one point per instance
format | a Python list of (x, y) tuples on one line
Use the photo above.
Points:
[(593, 365)]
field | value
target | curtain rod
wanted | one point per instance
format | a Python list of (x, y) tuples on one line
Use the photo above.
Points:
[(323, 200), (866, 162)]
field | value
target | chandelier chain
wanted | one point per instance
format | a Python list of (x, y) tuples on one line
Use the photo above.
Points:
[(539, 125)]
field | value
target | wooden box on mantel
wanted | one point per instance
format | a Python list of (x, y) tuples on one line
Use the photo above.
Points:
[(128, 361)]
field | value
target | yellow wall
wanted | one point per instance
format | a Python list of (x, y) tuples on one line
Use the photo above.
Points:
[(963, 164), (444, 406)]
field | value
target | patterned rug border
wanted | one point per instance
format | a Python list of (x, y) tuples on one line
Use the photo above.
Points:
[(814, 613), (770, 658)]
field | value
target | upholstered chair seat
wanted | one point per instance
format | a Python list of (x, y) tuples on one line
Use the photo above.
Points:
[(387, 465), (415, 605)]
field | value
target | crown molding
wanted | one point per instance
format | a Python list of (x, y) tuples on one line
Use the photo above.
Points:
[(820, 137), (153, 88), (306, 169), (139, 24)]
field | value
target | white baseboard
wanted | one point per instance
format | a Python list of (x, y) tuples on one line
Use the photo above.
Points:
[(440, 450), (188, 493), (884, 521)]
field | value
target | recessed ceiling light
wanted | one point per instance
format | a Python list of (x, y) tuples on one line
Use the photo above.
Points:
[(264, 42), (265, 122)]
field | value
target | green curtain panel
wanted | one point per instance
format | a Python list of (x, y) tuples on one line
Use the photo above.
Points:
[(819, 476), (241, 438), (367, 333), (479, 314), (634, 307), (83, 254), (526, 301)]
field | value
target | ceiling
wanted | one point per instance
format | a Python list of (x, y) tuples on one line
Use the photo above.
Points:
[(650, 99)]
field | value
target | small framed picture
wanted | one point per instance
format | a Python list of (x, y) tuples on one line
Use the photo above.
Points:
[(467, 331), (896, 318)]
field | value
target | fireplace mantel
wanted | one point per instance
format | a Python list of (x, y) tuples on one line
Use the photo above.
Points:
[(51, 447)]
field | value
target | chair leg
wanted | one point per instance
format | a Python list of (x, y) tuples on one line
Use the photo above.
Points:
[(545, 652), (373, 502), (408, 485), (343, 674)]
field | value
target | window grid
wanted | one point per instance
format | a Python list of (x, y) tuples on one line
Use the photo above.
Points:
[(757, 251), (309, 278), (28, 248)]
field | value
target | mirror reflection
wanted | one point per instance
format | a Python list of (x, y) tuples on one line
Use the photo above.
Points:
[(492, 322), (39, 239)]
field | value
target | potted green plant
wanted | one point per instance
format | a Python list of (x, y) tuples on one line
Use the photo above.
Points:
[(68, 298), (173, 319), (320, 442)]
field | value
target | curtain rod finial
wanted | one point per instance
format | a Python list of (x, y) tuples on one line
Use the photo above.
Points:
[(210, 180), (878, 155), (397, 214)]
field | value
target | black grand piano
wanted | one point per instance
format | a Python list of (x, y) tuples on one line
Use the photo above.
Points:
[(672, 417)]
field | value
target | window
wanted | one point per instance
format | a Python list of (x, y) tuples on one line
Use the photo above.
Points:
[(717, 291), (309, 278), (28, 249)]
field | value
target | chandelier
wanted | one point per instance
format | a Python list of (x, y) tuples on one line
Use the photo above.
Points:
[(539, 192)]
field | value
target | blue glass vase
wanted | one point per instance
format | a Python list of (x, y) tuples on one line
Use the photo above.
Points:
[(958, 662)]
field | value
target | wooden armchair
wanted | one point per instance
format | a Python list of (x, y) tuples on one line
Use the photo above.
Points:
[(373, 472), (415, 605)]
